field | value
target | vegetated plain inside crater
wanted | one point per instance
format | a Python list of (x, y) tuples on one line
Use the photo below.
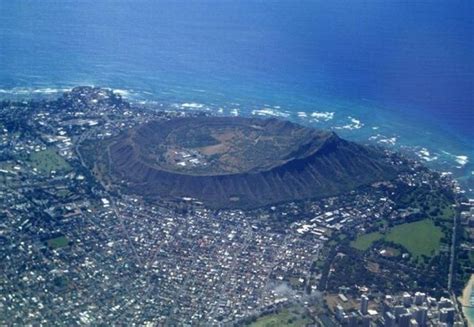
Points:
[(217, 146)]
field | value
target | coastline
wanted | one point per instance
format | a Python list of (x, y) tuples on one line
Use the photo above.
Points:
[(465, 300)]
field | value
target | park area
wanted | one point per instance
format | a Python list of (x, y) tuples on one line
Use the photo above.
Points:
[(58, 242), (47, 161), (285, 317), (419, 238)]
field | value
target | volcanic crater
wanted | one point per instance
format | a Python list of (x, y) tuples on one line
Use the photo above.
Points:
[(239, 162)]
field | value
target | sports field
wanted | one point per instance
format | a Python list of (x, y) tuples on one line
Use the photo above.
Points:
[(48, 160)]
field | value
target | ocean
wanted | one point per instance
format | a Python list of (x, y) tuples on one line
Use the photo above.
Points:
[(394, 73)]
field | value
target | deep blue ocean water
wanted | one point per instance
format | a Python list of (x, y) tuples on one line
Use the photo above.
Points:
[(400, 73)]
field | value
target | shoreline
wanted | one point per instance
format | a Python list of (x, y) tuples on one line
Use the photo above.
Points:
[(465, 300)]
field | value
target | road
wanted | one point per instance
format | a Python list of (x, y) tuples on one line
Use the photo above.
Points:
[(453, 250)]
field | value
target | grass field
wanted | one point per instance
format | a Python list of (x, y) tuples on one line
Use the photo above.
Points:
[(48, 160), (58, 242), (282, 318), (419, 238), (363, 242)]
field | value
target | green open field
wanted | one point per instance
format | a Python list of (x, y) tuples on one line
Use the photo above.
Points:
[(58, 242), (363, 242), (419, 238), (282, 318), (48, 160)]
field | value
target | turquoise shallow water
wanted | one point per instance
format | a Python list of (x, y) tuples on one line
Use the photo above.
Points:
[(392, 72), (470, 315)]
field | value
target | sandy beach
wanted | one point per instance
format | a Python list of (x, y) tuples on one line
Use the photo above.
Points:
[(465, 300)]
